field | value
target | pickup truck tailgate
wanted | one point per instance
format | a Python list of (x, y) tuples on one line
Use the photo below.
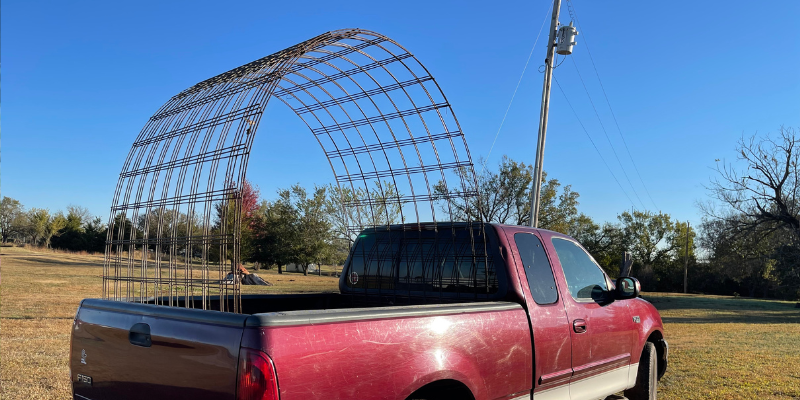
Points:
[(138, 351)]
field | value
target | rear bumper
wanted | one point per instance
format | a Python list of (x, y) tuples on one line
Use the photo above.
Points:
[(662, 348)]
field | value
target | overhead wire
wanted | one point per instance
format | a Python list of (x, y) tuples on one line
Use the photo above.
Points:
[(593, 143), (606, 133), (486, 160), (574, 15)]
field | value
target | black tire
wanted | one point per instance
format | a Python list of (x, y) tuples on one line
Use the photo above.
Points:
[(443, 390), (647, 377)]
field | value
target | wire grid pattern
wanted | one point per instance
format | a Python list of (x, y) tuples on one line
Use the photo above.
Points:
[(449, 264), (384, 124)]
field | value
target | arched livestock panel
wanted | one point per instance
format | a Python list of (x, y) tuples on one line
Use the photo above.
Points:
[(395, 148)]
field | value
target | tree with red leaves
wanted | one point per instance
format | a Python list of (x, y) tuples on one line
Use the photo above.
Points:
[(250, 201)]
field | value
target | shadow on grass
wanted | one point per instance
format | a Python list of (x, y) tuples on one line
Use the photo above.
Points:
[(728, 319), (65, 263), (692, 309)]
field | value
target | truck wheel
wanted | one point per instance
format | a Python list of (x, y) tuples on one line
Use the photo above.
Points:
[(646, 378), (443, 390)]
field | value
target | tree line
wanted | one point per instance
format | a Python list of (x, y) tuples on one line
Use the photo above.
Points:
[(76, 230), (748, 242), (656, 241), (318, 226), (751, 226)]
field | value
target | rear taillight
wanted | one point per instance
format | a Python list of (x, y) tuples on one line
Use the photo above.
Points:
[(256, 379)]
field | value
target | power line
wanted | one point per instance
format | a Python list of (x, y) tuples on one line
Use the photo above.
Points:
[(606, 133), (574, 15), (592, 141), (516, 88)]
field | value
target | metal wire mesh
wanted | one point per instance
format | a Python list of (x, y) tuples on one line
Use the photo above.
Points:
[(445, 263), (381, 119)]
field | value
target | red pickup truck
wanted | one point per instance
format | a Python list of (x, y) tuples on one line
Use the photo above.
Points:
[(546, 323)]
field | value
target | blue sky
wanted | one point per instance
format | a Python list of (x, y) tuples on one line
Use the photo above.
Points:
[(685, 79)]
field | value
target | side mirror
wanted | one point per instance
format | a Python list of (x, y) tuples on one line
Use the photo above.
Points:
[(628, 287)]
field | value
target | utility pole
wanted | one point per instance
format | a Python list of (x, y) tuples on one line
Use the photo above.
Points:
[(686, 263), (548, 77), (627, 263)]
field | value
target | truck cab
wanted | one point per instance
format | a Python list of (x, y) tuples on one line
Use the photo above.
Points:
[(588, 336)]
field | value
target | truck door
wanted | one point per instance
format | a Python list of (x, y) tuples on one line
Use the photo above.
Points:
[(551, 337), (602, 329)]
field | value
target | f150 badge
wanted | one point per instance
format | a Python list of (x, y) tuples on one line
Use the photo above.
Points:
[(83, 356), (85, 379), (636, 319)]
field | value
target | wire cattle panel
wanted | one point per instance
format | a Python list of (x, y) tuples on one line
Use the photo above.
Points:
[(390, 136)]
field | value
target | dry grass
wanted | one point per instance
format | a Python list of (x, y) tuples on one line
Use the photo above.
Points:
[(40, 293), (730, 348), (295, 282), (721, 347)]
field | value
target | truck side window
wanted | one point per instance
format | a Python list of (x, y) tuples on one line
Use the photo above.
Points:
[(537, 268), (585, 279)]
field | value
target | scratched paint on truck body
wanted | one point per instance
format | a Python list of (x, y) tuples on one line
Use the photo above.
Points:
[(490, 352), (609, 328), (553, 354), (187, 359), (650, 321)]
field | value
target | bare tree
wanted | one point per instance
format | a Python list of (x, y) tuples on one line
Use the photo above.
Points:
[(763, 195), (80, 214), (504, 197), (351, 210), (501, 196)]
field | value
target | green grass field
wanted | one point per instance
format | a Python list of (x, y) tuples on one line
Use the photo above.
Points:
[(729, 348), (720, 347)]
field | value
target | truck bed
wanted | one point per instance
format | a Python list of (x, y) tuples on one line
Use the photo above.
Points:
[(184, 352)]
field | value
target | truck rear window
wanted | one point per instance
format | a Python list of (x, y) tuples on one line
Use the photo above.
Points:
[(451, 262)]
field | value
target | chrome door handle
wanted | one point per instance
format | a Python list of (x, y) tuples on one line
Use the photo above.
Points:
[(579, 326)]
